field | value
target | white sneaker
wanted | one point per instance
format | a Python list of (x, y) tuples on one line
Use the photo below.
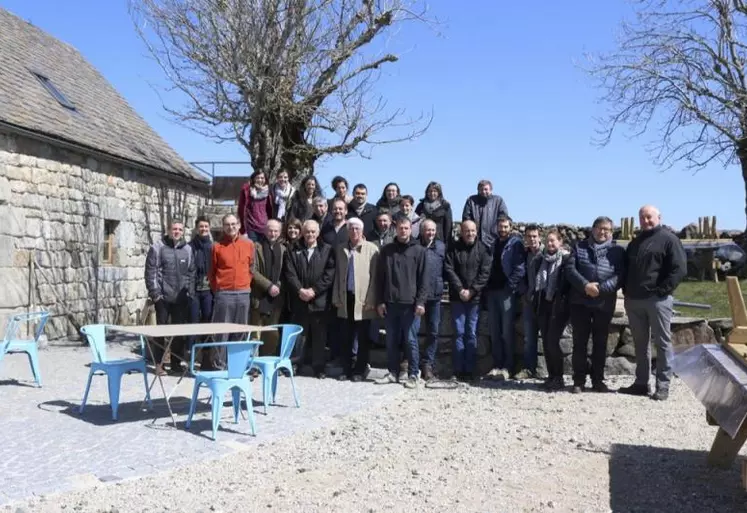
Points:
[(388, 379)]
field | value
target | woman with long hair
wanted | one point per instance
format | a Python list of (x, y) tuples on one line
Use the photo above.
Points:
[(292, 233), (434, 207), (390, 199), (302, 202), (256, 206), (282, 192)]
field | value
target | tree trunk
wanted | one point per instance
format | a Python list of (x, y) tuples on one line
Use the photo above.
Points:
[(742, 154)]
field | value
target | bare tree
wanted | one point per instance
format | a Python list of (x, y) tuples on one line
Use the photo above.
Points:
[(680, 69), (291, 80)]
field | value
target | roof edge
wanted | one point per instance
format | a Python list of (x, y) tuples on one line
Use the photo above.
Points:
[(71, 145)]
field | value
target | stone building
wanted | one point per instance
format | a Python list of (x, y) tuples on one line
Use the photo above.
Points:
[(85, 186)]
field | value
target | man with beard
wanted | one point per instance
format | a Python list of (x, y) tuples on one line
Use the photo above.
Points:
[(504, 286), (334, 232), (484, 209), (267, 300), (360, 208), (170, 280), (309, 274)]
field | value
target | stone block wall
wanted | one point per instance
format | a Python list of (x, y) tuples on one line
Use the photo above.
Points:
[(686, 332), (55, 206)]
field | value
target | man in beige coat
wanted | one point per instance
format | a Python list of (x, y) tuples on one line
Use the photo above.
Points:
[(353, 295), (267, 296)]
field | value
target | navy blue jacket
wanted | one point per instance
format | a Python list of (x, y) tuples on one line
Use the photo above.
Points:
[(604, 266), (513, 263), (434, 269)]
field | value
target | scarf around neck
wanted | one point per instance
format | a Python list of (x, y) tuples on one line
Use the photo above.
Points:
[(203, 246), (259, 194), (431, 206), (549, 274), (282, 197)]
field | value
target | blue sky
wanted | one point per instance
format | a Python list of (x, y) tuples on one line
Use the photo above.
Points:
[(509, 105)]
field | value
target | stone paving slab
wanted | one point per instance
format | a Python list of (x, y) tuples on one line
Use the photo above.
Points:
[(46, 446)]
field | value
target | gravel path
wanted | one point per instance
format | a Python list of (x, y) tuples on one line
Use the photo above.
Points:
[(510, 448)]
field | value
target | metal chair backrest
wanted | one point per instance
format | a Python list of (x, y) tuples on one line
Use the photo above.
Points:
[(289, 334), (14, 325), (95, 334), (239, 357)]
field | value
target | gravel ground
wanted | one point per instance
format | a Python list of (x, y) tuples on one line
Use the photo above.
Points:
[(505, 448)]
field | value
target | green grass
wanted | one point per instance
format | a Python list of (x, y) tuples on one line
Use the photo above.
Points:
[(705, 292)]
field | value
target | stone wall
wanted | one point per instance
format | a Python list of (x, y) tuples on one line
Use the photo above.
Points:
[(54, 206), (686, 332)]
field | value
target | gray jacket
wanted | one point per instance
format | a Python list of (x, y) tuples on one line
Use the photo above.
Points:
[(170, 271), (484, 212)]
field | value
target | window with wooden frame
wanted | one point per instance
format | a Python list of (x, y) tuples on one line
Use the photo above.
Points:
[(107, 248)]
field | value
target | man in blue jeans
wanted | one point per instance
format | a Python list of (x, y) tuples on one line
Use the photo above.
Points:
[(534, 247), (467, 270), (201, 307), (505, 285), (435, 254), (401, 292)]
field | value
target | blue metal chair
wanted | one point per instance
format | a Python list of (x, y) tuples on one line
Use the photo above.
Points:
[(269, 366), (95, 334), (239, 356), (12, 344)]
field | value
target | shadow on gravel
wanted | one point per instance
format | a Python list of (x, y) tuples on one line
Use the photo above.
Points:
[(528, 386), (100, 414), (15, 382), (645, 479)]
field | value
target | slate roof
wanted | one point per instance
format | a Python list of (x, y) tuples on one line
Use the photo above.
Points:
[(102, 119)]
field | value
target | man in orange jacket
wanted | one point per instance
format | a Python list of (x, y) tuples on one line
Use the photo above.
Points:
[(230, 280)]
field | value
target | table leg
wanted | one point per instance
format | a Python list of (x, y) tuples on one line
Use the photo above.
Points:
[(166, 347)]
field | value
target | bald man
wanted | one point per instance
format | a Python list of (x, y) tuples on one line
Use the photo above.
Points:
[(267, 300), (655, 266), (467, 270)]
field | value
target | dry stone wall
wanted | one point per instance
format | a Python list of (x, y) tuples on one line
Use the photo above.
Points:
[(56, 208), (686, 332)]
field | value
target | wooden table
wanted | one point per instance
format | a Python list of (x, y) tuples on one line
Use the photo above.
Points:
[(167, 332)]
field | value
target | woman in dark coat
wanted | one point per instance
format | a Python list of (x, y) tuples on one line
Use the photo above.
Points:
[(434, 207), (302, 203), (390, 199)]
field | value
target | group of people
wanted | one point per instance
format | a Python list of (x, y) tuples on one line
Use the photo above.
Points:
[(343, 268)]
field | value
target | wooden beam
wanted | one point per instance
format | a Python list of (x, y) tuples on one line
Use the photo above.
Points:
[(736, 302), (725, 449)]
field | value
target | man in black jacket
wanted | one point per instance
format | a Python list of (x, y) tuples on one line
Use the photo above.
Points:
[(595, 270), (401, 293), (170, 280), (655, 266), (360, 208), (309, 274), (467, 270), (484, 209)]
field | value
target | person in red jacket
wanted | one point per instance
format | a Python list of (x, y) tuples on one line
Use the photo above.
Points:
[(230, 277), (256, 205)]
